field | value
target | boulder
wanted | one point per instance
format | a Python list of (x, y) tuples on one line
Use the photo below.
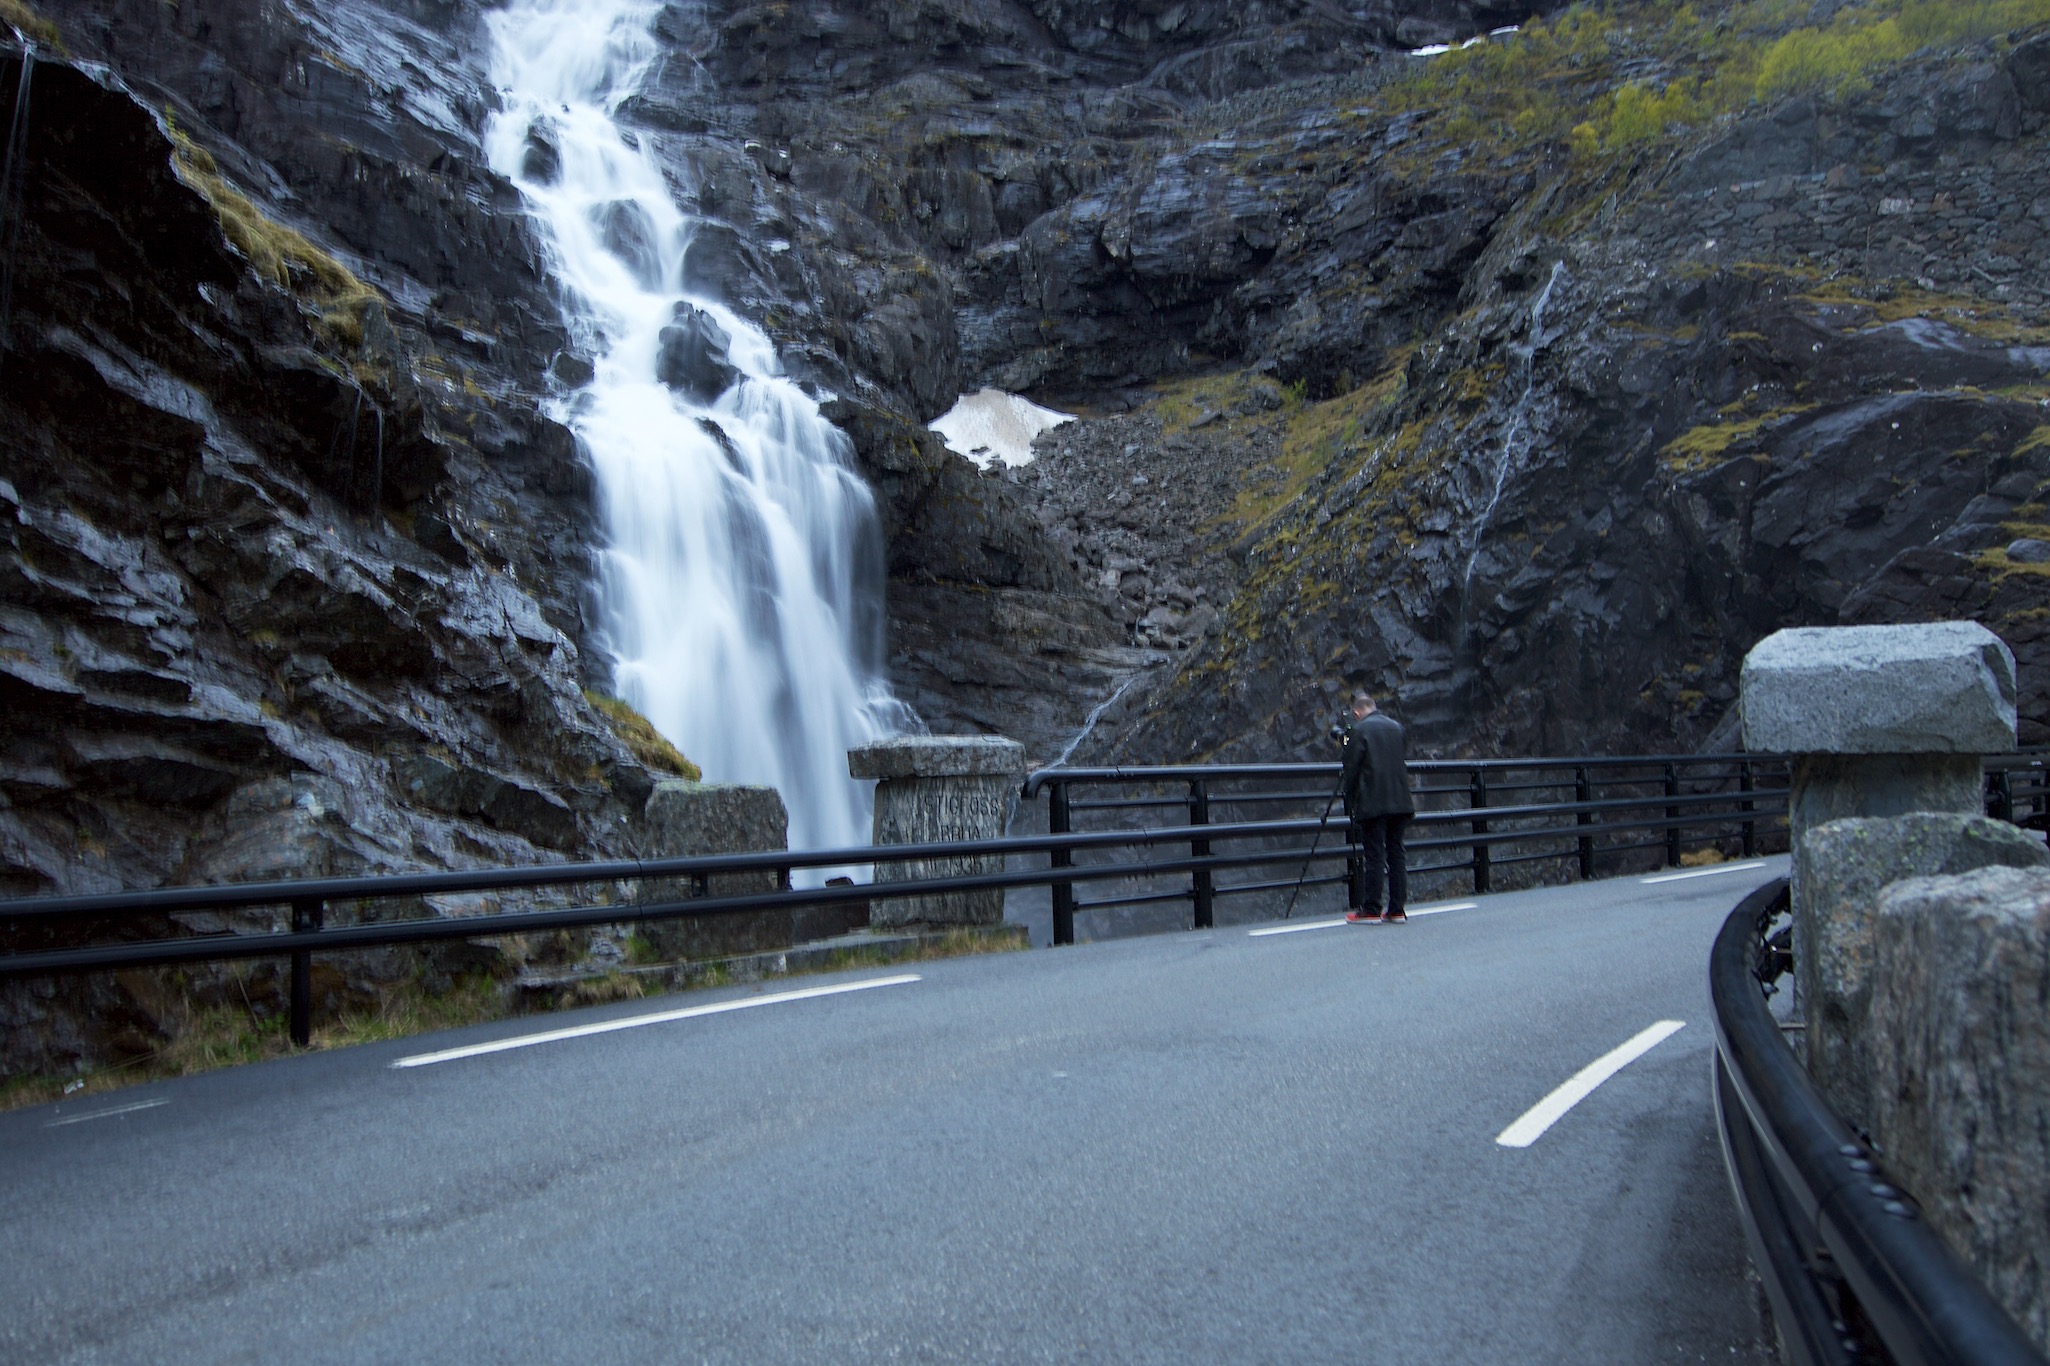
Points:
[(1961, 1070), (692, 360), (1849, 864)]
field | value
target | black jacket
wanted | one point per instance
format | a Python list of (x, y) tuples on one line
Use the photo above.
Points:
[(1376, 781)]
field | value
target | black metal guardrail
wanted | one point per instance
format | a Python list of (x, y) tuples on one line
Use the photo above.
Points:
[(1614, 803), (1198, 860), (1473, 817), (1853, 1273)]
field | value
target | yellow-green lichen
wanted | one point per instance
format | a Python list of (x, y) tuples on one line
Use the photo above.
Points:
[(640, 737), (281, 254), (1700, 448), (30, 24)]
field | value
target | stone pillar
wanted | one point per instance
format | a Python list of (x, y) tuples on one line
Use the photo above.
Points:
[(1877, 721), (1961, 1084), (1850, 865), (683, 819), (940, 787)]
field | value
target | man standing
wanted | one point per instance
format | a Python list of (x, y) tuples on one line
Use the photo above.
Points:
[(1377, 798)]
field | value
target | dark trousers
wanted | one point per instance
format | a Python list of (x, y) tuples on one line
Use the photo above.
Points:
[(1382, 858)]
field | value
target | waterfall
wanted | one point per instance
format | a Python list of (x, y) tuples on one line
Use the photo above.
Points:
[(1514, 431), (1095, 715), (742, 577), (13, 169)]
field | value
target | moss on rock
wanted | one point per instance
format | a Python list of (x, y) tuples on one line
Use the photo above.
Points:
[(639, 735)]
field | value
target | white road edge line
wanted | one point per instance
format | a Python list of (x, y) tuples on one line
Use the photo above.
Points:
[(478, 1050), (106, 1114), (1547, 1112), (1327, 924), (1703, 872), (1295, 929)]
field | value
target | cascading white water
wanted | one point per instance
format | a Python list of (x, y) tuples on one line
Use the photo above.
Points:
[(742, 582), (1519, 422)]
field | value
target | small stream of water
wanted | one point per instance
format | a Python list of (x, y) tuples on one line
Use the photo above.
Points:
[(1515, 433)]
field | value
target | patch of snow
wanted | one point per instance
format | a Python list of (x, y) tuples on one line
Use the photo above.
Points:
[(1436, 49), (991, 425)]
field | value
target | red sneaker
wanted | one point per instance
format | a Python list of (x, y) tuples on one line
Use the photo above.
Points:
[(1396, 918), (1359, 918)]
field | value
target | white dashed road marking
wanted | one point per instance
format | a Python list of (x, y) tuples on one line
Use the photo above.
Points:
[(1581, 1084), (1703, 872), (478, 1050), (106, 1114), (1327, 924)]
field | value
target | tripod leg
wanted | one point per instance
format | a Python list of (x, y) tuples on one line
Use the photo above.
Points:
[(1322, 821)]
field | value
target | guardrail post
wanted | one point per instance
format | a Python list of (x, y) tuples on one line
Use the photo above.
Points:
[(1057, 823), (2003, 796), (1200, 890), (1672, 816), (1477, 795), (1746, 783), (1583, 793), (307, 915)]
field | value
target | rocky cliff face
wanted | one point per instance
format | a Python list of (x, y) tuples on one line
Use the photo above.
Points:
[(1441, 376), (1792, 373)]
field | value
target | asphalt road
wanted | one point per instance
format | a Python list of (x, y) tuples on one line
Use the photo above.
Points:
[(1213, 1146)]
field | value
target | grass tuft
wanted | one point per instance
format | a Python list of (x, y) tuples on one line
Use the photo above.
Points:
[(285, 256), (1703, 447), (229, 1036), (30, 24), (638, 733)]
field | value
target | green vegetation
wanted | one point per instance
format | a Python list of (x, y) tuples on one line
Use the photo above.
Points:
[(954, 943), (648, 745), (1864, 40), (1995, 565), (30, 24), (1564, 79), (1184, 404), (283, 255), (230, 1035), (1314, 438), (1700, 448)]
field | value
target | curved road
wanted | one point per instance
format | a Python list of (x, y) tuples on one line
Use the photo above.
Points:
[(1214, 1146)]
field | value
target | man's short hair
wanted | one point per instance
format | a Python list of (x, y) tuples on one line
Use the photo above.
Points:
[(1363, 699)]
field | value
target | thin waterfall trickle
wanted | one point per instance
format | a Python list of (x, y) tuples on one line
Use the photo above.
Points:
[(742, 579), (1095, 715), (1514, 440), (12, 173)]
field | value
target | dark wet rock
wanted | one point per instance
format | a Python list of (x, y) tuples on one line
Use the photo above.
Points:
[(542, 160), (252, 544), (256, 538), (1747, 406), (693, 357)]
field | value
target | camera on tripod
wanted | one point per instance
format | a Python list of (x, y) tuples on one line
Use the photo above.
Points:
[(1338, 733)]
